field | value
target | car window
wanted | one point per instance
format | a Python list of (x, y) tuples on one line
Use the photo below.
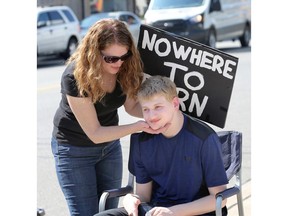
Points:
[(159, 4), (123, 18), (68, 15), (128, 19), (42, 19), (131, 20), (56, 18)]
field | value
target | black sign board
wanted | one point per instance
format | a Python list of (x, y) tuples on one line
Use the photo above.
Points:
[(204, 76)]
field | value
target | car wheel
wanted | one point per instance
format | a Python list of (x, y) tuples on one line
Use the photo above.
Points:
[(71, 47), (211, 41), (245, 38)]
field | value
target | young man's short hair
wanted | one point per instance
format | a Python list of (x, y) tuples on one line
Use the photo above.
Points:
[(157, 85)]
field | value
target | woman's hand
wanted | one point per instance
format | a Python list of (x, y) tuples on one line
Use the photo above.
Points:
[(131, 204)]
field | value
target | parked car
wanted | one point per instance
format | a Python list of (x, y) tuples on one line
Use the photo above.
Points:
[(58, 31), (132, 20), (205, 21)]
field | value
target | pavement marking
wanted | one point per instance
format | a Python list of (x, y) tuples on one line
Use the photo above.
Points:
[(48, 87)]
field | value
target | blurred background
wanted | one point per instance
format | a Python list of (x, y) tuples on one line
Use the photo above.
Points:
[(84, 8), (61, 24)]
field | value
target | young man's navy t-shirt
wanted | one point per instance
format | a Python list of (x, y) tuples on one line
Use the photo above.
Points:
[(181, 167)]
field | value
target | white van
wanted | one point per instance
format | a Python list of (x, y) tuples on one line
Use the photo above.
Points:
[(205, 21)]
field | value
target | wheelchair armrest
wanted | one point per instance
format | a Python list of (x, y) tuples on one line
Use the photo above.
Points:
[(113, 193), (119, 191), (228, 192), (224, 195)]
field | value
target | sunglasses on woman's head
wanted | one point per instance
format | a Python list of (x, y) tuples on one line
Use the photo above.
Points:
[(113, 59)]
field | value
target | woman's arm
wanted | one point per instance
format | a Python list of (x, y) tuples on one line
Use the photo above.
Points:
[(133, 108), (86, 115)]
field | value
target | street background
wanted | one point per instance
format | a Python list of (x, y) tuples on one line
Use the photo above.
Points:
[(49, 71), (19, 147)]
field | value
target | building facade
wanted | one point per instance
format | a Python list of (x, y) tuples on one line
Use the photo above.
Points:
[(83, 8)]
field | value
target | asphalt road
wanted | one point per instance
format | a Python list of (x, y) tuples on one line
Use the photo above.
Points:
[(49, 195)]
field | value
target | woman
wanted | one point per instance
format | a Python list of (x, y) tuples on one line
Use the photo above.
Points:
[(103, 74)]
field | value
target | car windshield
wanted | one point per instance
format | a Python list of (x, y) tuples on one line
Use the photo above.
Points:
[(168, 4), (89, 21)]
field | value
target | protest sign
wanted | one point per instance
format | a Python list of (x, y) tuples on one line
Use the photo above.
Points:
[(204, 76)]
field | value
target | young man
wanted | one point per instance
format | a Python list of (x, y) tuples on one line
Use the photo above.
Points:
[(179, 171)]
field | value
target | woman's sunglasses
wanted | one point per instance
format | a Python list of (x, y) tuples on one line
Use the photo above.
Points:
[(113, 59)]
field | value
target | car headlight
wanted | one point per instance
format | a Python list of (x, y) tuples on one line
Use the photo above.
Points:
[(196, 19)]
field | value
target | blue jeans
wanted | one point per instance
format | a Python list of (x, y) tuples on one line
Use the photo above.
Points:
[(85, 172)]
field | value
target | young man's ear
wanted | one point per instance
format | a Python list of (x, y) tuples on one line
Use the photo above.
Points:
[(176, 102)]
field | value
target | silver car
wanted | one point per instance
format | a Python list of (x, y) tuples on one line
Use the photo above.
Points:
[(132, 20), (58, 31)]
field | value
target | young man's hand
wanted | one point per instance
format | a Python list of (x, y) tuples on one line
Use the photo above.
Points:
[(131, 203), (160, 211)]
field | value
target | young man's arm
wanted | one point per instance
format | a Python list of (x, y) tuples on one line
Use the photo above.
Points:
[(197, 207), (143, 194)]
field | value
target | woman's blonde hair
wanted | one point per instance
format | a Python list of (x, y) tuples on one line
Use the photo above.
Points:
[(88, 60)]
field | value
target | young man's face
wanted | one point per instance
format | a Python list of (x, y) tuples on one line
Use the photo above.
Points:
[(157, 111)]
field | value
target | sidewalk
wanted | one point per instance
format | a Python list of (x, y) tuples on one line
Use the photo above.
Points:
[(246, 195)]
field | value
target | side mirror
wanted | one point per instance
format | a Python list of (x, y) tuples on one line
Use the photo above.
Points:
[(41, 24)]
